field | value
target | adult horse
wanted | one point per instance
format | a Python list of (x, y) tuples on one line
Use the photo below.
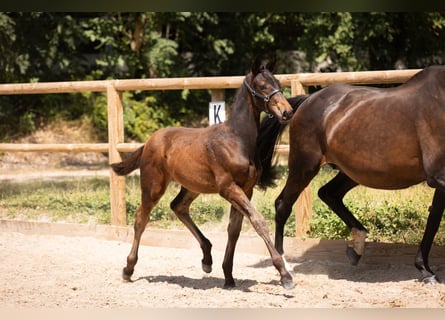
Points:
[(218, 159), (384, 138)]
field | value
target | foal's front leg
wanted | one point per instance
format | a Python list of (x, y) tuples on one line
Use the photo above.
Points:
[(233, 231), (236, 196)]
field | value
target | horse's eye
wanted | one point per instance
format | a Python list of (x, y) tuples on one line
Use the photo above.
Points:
[(262, 87)]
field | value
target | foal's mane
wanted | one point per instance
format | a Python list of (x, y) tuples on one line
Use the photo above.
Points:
[(269, 133)]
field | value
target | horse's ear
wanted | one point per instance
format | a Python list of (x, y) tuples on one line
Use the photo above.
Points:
[(256, 66), (271, 64)]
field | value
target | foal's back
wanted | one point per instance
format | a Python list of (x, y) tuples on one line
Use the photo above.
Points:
[(193, 157)]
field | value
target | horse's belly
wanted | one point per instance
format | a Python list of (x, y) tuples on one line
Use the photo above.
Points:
[(379, 159), (194, 178), (384, 177)]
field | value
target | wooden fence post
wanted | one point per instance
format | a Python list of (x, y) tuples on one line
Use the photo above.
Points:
[(116, 136), (217, 94), (303, 206)]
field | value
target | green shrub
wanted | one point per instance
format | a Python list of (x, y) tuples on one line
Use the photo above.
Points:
[(141, 117)]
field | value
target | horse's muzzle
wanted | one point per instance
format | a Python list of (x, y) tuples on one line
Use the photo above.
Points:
[(286, 116)]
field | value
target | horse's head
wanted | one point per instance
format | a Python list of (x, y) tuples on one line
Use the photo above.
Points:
[(266, 91)]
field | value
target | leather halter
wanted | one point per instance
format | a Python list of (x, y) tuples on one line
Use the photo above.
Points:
[(266, 98)]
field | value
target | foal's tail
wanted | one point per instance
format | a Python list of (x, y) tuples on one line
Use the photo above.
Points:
[(269, 133), (130, 164)]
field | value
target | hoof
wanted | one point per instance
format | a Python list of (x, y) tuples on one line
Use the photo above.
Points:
[(206, 268), (126, 275), (229, 284), (431, 280), (354, 258), (287, 283)]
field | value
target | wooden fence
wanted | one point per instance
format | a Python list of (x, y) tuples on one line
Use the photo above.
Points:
[(116, 145)]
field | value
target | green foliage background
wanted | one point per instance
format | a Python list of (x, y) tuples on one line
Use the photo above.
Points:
[(60, 46)]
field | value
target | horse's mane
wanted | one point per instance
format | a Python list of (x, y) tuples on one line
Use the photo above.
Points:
[(269, 133), (435, 73)]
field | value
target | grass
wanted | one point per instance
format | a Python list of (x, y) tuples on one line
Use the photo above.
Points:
[(390, 216), (79, 200)]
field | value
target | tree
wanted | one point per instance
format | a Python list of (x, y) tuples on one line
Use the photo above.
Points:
[(59, 46), (369, 41)]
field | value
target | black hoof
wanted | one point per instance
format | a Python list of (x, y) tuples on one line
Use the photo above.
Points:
[(206, 268), (229, 284), (431, 280), (354, 258), (126, 275)]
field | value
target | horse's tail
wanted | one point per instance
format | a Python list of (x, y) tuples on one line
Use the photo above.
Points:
[(130, 164), (269, 133)]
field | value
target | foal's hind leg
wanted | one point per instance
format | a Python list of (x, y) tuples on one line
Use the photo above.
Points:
[(332, 194), (434, 218), (152, 190), (142, 218), (180, 205)]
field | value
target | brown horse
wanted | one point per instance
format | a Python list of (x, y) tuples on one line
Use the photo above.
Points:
[(218, 159), (384, 138)]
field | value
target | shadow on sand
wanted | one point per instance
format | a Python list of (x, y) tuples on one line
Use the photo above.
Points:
[(381, 262)]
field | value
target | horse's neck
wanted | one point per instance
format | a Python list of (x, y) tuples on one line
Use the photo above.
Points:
[(244, 121)]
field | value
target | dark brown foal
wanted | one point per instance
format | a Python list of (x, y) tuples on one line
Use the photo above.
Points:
[(219, 159)]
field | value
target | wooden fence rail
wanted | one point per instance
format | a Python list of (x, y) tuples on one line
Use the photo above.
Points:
[(116, 145)]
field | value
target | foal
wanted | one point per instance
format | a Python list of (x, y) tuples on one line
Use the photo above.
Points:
[(218, 159)]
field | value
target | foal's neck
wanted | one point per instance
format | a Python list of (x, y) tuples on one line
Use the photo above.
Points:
[(244, 120)]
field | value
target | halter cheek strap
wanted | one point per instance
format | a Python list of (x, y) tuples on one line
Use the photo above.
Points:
[(266, 99)]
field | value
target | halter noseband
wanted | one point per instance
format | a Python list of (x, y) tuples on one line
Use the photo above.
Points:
[(266, 99)]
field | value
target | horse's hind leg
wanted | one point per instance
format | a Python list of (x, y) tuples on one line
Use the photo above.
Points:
[(142, 218), (180, 205), (152, 191), (332, 194), (434, 218)]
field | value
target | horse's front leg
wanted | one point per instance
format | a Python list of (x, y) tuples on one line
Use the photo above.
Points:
[(236, 196), (303, 166), (233, 230), (434, 218)]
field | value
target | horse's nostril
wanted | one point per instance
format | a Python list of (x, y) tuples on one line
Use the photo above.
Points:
[(287, 115)]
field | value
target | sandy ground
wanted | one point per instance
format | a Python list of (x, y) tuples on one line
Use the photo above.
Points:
[(59, 271), (52, 271)]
